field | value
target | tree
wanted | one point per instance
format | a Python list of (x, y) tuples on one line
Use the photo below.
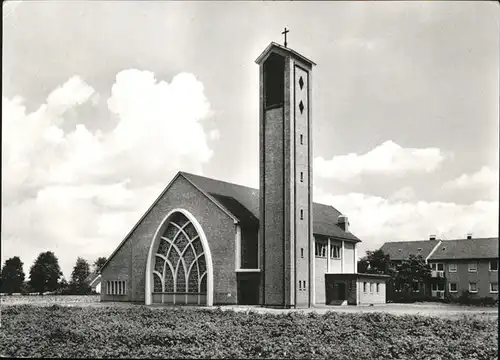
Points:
[(26, 288), (99, 263), (64, 287), (375, 262), (12, 275), (45, 273), (411, 271), (403, 274), (80, 273)]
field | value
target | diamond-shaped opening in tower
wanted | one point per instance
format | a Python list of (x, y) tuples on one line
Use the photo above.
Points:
[(301, 83), (301, 106)]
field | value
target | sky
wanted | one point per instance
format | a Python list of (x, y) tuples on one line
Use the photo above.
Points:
[(103, 102)]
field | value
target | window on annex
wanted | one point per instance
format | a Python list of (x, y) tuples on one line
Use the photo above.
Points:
[(320, 249), (415, 287), (371, 287), (116, 287), (473, 287), (437, 287), (453, 287), (365, 286), (437, 266), (452, 267), (494, 265), (494, 288), (378, 288), (473, 267), (335, 251)]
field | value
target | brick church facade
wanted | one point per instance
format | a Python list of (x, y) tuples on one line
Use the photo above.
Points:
[(207, 242)]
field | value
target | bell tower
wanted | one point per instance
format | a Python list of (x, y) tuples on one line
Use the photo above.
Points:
[(285, 235)]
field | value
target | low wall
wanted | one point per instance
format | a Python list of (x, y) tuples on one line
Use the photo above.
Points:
[(48, 299)]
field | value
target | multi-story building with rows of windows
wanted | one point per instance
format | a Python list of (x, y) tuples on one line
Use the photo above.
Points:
[(458, 266)]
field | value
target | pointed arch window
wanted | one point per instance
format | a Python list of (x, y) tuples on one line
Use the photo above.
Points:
[(180, 270)]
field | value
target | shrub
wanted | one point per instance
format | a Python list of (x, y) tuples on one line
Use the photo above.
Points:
[(141, 332), (467, 298)]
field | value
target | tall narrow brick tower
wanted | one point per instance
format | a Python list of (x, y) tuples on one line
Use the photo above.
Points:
[(285, 236)]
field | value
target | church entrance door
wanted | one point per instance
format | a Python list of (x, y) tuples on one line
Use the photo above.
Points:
[(336, 291), (341, 291)]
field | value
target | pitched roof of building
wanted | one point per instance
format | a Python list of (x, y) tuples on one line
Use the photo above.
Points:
[(480, 248), (91, 279), (243, 203), (401, 250)]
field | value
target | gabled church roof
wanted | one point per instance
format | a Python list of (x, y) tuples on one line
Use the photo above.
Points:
[(243, 203)]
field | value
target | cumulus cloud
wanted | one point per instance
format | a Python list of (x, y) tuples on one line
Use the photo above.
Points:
[(214, 134), (387, 158), (376, 220), (79, 192), (485, 178), (404, 194)]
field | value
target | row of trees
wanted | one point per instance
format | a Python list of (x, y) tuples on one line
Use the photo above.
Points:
[(404, 275), (46, 275)]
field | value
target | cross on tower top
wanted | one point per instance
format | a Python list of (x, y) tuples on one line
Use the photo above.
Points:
[(286, 31)]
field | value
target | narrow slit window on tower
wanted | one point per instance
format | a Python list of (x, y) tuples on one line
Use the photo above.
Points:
[(300, 284), (301, 139), (304, 285), (301, 176), (302, 253), (301, 214)]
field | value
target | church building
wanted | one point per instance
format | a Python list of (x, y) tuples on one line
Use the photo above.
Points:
[(208, 242)]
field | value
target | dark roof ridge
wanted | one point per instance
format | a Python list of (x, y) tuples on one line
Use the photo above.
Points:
[(465, 239), (243, 186), (411, 241), (214, 179)]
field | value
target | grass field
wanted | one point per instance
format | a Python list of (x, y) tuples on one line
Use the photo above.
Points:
[(142, 332)]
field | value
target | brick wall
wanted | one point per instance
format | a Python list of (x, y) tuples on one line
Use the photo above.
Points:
[(302, 164), (119, 268), (274, 206), (129, 263), (319, 276), (462, 277), (370, 296)]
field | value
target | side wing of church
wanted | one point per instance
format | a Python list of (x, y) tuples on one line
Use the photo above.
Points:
[(207, 242), (199, 244)]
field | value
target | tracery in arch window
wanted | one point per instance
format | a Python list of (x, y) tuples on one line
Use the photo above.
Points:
[(180, 265)]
